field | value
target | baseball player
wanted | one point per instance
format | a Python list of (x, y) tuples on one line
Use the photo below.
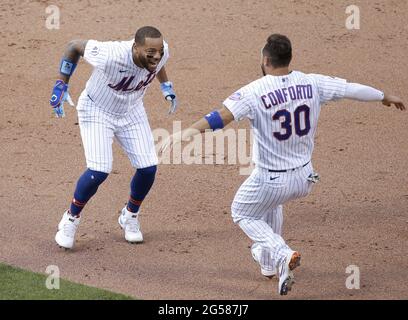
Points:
[(283, 107), (112, 106)]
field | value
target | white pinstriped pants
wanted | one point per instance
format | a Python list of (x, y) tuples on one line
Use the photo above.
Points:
[(132, 131), (257, 209)]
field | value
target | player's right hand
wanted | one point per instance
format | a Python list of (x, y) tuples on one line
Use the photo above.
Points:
[(58, 97), (388, 100), (167, 144)]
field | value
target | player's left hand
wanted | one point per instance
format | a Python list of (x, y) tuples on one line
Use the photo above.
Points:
[(58, 97), (169, 94), (389, 100)]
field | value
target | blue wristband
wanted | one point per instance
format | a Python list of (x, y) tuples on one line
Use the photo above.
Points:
[(67, 67), (167, 89), (214, 120)]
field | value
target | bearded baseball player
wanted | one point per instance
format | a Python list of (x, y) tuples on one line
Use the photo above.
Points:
[(283, 107), (112, 106)]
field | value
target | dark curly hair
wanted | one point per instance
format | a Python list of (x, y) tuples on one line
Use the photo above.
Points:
[(278, 49)]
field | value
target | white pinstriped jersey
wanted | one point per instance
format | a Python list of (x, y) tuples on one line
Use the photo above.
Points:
[(284, 112), (117, 84)]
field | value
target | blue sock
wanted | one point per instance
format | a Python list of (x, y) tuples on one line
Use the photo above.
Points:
[(86, 187), (140, 186)]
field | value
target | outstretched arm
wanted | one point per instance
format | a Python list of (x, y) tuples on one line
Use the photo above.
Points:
[(205, 124), (75, 49), (212, 121), (361, 92)]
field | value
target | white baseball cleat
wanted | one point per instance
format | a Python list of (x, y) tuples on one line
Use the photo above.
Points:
[(129, 222), (286, 278), (256, 251), (67, 228)]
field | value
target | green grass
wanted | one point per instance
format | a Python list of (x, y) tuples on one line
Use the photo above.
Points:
[(17, 284)]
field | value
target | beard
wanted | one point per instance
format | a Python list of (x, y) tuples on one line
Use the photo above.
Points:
[(145, 63), (263, 70)]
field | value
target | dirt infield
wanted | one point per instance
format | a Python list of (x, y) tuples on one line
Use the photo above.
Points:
[(357, 215)]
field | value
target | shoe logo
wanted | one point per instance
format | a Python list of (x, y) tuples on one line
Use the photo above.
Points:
[(274, 178), (72, 220), (121, 71)]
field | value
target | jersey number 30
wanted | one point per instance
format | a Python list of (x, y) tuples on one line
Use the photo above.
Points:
[(285, 117)]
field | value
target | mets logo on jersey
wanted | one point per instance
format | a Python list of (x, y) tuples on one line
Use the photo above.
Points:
[(95, 51), (125, 84), (236, 96)]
